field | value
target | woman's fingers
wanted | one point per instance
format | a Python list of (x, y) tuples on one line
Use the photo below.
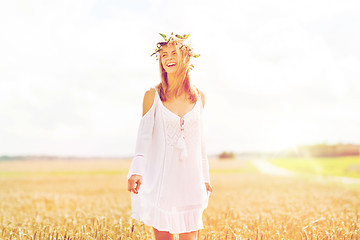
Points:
[(208, 187), (134, 183), (131, 184), (137, 186)]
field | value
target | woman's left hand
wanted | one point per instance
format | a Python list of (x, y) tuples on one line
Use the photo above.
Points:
[(208, 187)]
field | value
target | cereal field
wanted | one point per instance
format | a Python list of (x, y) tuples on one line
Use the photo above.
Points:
[(75, 199)]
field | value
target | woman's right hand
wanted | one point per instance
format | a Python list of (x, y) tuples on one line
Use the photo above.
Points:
[(134, 183)]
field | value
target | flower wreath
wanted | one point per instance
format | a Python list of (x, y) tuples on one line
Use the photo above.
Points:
[(177, 40)]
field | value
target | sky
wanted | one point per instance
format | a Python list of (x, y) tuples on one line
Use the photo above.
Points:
[(275, 74)]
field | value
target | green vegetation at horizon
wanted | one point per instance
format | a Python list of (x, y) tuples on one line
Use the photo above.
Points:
[(336, 166)]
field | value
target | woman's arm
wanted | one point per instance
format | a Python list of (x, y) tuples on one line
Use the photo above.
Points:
[(143, 141), (205, 161), (202, 98), (148, 100)]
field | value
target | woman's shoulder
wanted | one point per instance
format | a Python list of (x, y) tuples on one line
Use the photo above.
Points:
[(150, 94), (202, 95), (148, 100)]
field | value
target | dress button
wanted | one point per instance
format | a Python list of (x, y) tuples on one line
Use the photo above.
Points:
[(182, 124)]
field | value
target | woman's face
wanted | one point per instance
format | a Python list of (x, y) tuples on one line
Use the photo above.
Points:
[(169, 58)]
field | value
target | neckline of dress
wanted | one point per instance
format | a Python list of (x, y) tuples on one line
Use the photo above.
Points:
[(172, 111)]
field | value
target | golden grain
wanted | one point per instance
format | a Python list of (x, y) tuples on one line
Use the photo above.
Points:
[(242, 206)]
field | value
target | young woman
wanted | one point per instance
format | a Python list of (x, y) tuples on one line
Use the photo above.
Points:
[(169, 175)]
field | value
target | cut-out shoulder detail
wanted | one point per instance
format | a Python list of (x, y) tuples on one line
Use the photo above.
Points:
[(202, 98), (148, 100)]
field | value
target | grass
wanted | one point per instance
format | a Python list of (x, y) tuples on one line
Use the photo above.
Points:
[(246, 205), (340, 166)]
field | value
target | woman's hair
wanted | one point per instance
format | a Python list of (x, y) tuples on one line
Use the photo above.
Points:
[(182, 73)]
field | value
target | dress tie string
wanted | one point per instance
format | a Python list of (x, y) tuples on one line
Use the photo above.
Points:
[(181, 141)]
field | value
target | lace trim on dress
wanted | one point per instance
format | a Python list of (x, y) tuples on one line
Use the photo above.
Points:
[(179, 130)]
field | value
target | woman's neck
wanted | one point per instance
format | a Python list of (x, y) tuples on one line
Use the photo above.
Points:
[(171, 79), (172, 82)]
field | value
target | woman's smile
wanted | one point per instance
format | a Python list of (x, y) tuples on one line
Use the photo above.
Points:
[(169, 58), (171, 64)]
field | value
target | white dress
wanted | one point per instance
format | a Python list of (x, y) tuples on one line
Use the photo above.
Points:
[(170, 155)]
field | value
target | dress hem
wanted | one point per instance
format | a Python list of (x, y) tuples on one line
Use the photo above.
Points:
[(163, 229), (173, 223)]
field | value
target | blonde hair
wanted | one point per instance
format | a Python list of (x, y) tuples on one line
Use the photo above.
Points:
[(182, 74)]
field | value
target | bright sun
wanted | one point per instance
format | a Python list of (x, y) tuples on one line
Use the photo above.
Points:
[(289, 135)]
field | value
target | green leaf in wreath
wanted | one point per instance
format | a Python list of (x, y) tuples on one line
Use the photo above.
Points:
[(164, 36), (179, 36)]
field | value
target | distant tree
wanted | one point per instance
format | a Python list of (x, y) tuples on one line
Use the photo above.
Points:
[(325, 150), (226, 155)]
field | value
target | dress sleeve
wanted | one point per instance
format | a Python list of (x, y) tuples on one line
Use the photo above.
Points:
[(143, 142), (205, 161)]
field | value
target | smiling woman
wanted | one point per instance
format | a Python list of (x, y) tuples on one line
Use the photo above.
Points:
[(170, 162), (169, 58), (174, 63)]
